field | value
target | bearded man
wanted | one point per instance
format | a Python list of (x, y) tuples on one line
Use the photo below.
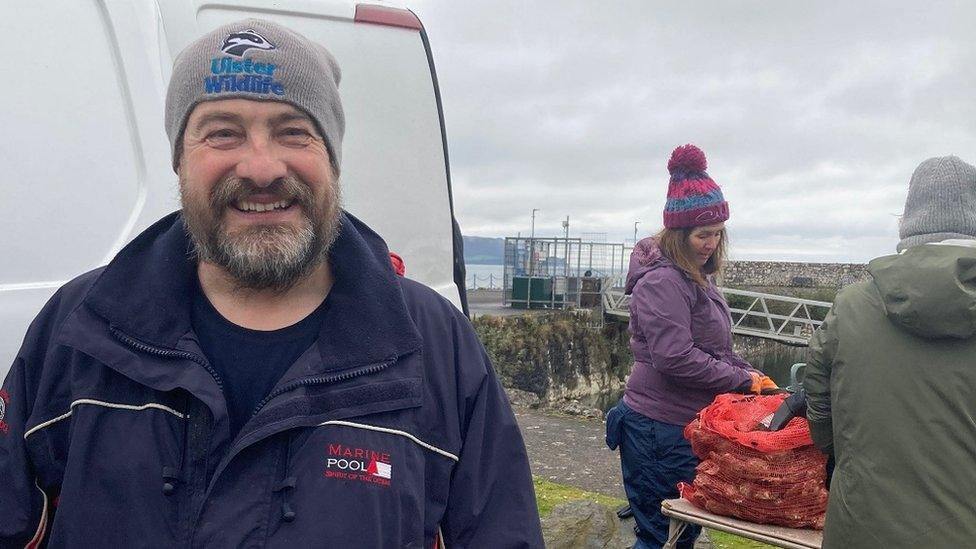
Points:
[(249, 371)]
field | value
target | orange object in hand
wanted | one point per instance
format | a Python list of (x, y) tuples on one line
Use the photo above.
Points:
[(762, 384), (767, 382), (757, 381)]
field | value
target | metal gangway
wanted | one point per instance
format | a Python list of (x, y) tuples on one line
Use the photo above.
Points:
[(793, 328)]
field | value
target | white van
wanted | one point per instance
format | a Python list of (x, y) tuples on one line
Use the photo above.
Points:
[(86, 163)]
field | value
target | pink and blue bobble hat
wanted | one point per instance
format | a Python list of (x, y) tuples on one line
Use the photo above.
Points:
[(694, 199)]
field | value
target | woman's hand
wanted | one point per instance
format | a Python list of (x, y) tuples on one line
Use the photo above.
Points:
[(763, 385), (769, 387)]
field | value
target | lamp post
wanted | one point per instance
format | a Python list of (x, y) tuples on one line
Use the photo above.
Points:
[(532, 245), (636, 223), (566, 247)]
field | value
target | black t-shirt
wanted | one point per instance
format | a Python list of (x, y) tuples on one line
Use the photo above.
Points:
[(249, 362)]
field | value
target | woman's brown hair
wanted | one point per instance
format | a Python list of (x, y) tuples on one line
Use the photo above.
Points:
[(674, 245)]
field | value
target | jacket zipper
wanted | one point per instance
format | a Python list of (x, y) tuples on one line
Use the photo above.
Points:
[(173, 353), (318, 380), (321, 380), (167, 353)]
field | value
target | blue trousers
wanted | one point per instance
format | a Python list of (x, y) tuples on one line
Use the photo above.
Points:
[(654, 457)]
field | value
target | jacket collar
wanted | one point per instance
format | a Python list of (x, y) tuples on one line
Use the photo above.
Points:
[(146, 293), (646, 257)]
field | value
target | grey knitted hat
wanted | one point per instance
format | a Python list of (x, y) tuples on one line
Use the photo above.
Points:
[(262, 61), (941, 203)]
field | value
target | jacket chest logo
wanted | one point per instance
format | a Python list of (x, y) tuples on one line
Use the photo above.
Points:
[(4, 401), (358, 464)]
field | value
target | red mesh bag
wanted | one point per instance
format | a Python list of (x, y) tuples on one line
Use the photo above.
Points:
[(746, 472)]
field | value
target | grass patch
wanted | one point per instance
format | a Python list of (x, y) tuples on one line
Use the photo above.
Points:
[(722, 540), (550, 494)]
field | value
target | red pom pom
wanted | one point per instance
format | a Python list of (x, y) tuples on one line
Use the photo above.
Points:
[(687, 158)]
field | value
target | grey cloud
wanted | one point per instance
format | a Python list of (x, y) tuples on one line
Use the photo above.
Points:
[(574, 107)]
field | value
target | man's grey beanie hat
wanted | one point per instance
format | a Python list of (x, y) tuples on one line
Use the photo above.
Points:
[(941, 203), (258, 60)]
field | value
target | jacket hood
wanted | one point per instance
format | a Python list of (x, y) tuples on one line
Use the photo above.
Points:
[(929, 290), (646, 257), (146, 291)]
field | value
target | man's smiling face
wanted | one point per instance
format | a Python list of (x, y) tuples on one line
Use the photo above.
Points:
[(259, 196)]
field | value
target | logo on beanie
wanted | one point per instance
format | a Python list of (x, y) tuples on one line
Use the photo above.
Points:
[(237, 43), (707, 215), (243, 75)]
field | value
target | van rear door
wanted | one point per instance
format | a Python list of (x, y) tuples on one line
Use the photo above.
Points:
[(87, 161)]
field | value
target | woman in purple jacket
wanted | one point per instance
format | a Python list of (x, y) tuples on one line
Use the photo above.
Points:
[(681, 337)]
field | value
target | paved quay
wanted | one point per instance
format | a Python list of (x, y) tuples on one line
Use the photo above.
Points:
[(491, 302), (570, 450)]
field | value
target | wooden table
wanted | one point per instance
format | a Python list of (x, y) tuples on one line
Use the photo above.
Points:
[(682, 513)]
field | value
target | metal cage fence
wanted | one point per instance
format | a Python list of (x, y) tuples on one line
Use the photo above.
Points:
[(558, 273)]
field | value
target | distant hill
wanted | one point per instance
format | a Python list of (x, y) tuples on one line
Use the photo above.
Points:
[(480, 250)]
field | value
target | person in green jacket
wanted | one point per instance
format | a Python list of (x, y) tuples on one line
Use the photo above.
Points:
[(891, 379)]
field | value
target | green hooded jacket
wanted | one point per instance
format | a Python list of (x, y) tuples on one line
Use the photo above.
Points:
[(891, 391)]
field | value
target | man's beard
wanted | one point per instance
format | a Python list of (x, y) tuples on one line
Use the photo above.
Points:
[(264, 256)]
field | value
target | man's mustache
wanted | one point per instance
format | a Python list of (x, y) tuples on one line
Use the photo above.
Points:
[(233, 190)]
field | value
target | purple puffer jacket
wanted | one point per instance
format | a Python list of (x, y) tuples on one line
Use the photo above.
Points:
[(681, 337)]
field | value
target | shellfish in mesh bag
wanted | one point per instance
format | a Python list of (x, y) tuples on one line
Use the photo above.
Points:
[(747, 472)]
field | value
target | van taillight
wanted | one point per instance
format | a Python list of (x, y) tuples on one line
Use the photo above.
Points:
[(383, 15)]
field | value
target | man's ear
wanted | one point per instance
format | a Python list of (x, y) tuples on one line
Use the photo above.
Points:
[(178, 164)]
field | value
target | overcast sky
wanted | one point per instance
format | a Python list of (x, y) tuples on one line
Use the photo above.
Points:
[(813, 115)]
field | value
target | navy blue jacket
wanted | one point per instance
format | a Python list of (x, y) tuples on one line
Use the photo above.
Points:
[(389, 431)]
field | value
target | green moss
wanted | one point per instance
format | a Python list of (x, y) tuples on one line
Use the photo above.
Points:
[(535, 352), (550, 494), (721, 540)]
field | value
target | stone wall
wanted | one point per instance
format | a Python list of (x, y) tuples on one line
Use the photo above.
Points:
[(783, 274), (772, 357), (819, 281), (556, 356), (563, 356)]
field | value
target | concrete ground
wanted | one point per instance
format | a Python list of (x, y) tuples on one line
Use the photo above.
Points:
[(572, 450), (491, 302)]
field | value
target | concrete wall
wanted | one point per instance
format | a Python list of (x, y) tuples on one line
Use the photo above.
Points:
[(746, 274)]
